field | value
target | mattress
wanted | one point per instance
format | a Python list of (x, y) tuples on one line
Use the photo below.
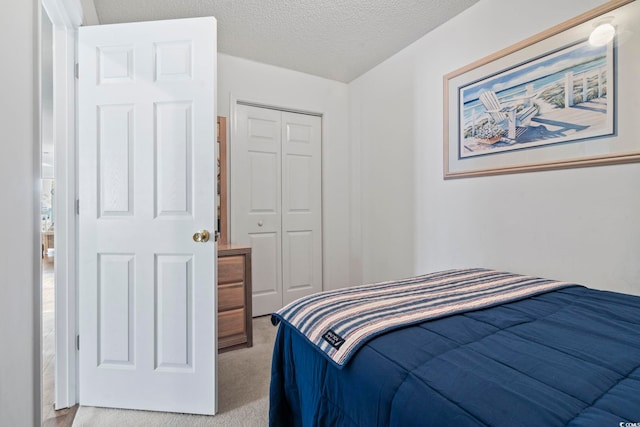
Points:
[(566, 357)]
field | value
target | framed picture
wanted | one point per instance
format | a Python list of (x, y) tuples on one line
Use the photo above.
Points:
[(567, 97)]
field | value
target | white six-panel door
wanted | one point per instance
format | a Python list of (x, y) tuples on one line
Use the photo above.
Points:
[(276, 202), (147, 184)]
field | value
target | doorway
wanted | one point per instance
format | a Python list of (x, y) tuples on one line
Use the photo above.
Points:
[(47, 222), (57, 217), (47, 217)]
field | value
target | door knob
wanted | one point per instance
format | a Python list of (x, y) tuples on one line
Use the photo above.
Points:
[(201, 236), (260, 223)]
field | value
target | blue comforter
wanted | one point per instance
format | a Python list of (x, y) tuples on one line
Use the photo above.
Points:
[(567, 357)]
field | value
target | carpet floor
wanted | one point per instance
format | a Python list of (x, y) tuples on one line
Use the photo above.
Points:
[(243, 392)]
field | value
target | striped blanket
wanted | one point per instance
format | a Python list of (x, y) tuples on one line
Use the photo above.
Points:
[(339, 322)]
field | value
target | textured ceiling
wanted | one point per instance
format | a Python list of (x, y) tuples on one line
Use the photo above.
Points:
[(336, 39)]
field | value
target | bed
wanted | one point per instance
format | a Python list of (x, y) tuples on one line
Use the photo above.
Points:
[(564, 355)]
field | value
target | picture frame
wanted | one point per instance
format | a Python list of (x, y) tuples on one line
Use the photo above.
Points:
[(563, 98)]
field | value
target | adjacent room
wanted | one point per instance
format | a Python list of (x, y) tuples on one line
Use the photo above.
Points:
[(258, 205)]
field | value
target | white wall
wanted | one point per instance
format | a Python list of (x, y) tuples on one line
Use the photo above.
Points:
[(269, 85), (580, 224), (19, 173)]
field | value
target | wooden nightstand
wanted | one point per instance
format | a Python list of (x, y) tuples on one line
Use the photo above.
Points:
[(234, 297)]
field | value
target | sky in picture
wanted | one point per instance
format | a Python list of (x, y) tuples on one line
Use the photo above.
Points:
[(564, 59)]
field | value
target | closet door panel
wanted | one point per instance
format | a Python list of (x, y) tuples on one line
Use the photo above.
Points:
[(265, 250), (301, 205), (256, 201), (300, 262)]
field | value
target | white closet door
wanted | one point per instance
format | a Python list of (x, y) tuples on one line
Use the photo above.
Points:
[(256, 201), (276, 203), (301, 206)]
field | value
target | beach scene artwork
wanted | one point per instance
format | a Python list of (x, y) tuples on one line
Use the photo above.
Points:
[(564, 96)]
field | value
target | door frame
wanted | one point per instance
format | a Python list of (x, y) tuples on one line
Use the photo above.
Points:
[(66, 16)]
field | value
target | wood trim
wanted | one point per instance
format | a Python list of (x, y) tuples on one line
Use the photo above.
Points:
[(560, 164), (222, 140), (248, 296)]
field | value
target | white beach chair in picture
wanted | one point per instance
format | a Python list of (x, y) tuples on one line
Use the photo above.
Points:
[(506, 115)]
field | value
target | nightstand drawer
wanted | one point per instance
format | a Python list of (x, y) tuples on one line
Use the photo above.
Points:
[(231, 322), (230, 269), (231, 295)]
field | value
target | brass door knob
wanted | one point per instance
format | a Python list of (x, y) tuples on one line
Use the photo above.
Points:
[(201, 236)]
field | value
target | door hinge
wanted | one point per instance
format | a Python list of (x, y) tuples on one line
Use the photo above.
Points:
[(77, 70), (78, 342), (77, 206)]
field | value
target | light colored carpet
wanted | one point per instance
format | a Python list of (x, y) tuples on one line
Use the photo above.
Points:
[(243, 392)]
